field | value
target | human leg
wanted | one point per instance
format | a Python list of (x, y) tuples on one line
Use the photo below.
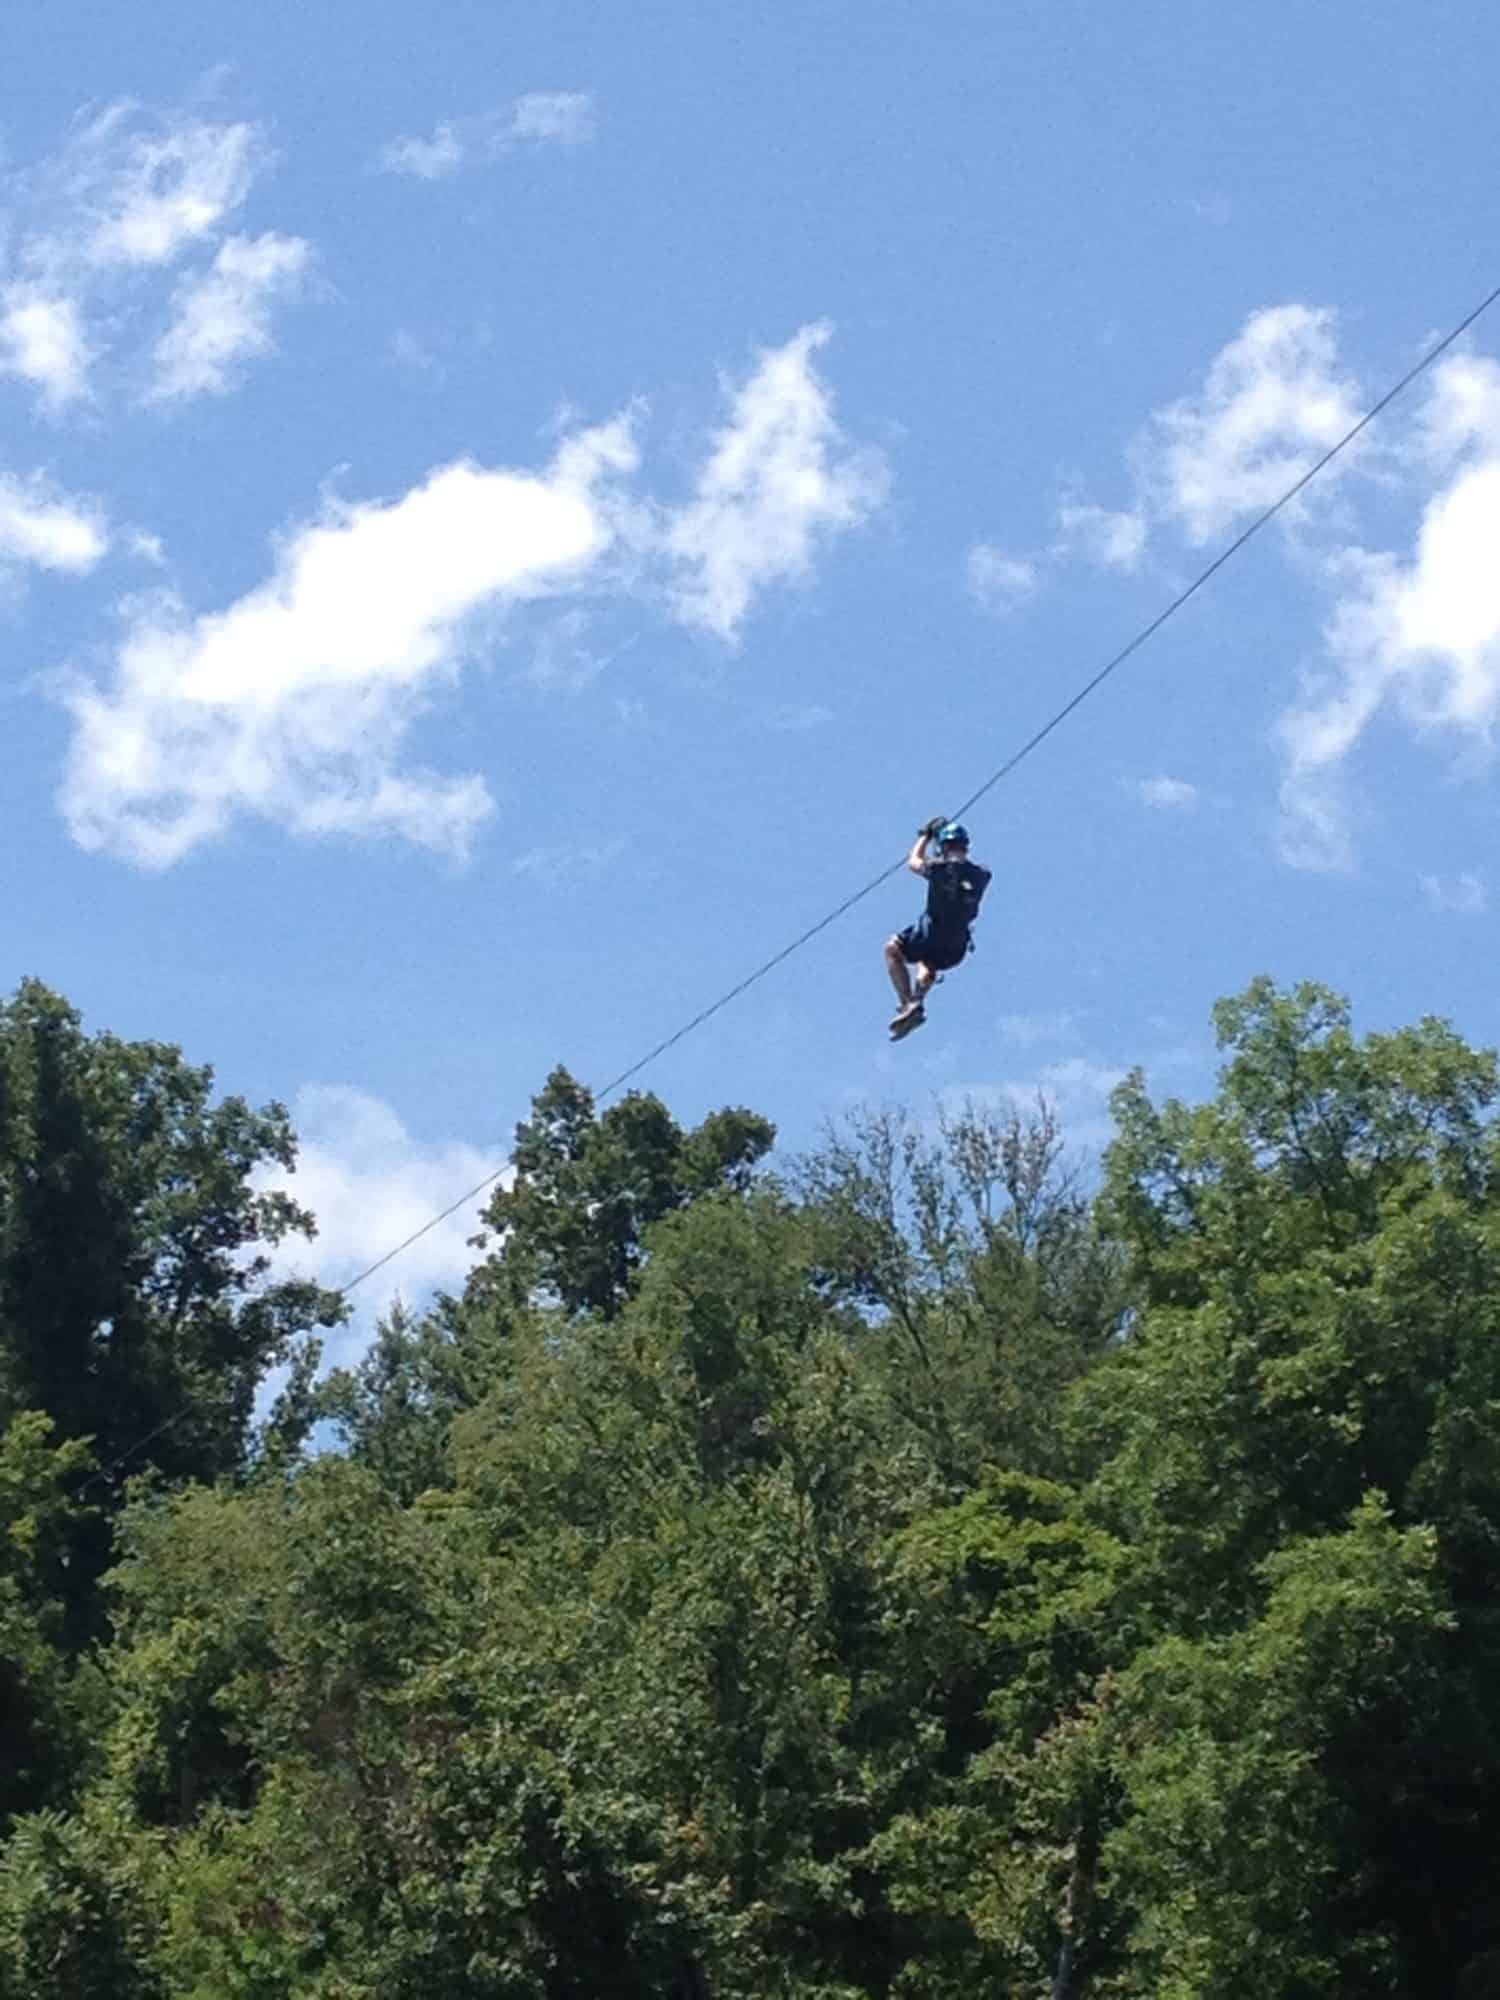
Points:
[(895, 965)]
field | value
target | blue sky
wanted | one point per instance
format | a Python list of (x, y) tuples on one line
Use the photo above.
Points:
[(507, 514)]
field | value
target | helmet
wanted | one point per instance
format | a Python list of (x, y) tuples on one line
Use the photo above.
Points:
[(953, 835)]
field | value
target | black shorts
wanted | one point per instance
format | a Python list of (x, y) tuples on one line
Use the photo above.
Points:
[(922, 945)]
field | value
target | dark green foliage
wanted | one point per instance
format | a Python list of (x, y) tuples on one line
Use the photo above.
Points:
[(906, 1575), (570, 1224), (44, 1694), (65, 1926), (988, 1285), (136, 1322), (394, 1408), (128, 1303), (585, 1187)]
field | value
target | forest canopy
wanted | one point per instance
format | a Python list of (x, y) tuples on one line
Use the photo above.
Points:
[(926, 1567)]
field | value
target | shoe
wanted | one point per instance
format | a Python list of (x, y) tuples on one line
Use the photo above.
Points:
[(911, 1016)]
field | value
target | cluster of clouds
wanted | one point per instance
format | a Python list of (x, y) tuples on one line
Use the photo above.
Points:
[(1272, 400), (293, 703), (124, 241), (120, 270), (1412, 634), (124, 268)]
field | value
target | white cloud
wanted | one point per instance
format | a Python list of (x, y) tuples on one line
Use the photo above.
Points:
[(223, 318), (1079, 1079), (157, 194), (42, 341), (371, 1184), (1419, 634), (1413, 634), (1465, 895), (1275, 398), (130, 190), (1112, 540), (999, 582), (40, 527), (780, 479), (92, 230), (1315, 826), (426, 159), (1166, 794), (293, 703), (556, 117), (541, 117)]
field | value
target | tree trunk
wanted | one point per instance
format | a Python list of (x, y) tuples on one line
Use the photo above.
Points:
[(690, 1983), (1067, 1983)]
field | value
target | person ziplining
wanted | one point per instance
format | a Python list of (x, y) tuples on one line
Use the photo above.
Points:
[(943, 936)]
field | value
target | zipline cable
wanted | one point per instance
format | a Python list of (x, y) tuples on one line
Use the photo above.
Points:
[(996, 777)]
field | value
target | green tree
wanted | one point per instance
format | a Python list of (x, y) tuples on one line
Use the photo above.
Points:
[(585, 1185), (571, 1226), (134, 1307), (395, 1406), (1316, 1259), (46, 1698), (985, 1282), (1275, 1835), (67, 1927), (897, 1578)]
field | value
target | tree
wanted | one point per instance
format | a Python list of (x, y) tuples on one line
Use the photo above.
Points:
[(586, 1186), (1278, 1785), (895, 1578), (976, 1259), (572, 1226), (127, 1206), (134, 1308), (394, 1408), (44, 1698), (1305, 1419)]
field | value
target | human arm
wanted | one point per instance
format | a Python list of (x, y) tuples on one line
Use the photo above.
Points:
[(917, 860)]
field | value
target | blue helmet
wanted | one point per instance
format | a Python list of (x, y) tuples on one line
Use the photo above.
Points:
[(953, 835)]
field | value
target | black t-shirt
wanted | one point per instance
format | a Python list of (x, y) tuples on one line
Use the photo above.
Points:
[(954, 892)]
